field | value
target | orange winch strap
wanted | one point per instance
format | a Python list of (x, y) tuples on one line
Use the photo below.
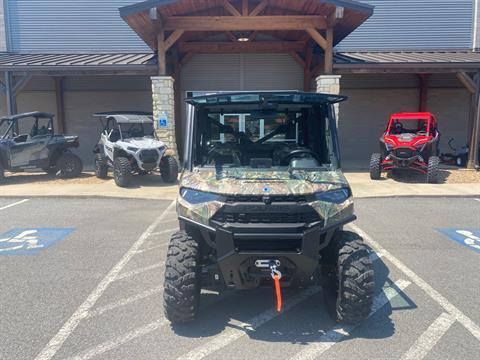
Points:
[(278, 291)]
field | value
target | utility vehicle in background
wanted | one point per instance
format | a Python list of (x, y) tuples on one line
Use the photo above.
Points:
[(410, 142), (129, 145), (264, 201), (28, 142)]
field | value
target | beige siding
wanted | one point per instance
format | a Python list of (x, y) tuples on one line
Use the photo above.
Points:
[(3, 36)]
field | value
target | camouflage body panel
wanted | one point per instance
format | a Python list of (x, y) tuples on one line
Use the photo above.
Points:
[(247, 182)]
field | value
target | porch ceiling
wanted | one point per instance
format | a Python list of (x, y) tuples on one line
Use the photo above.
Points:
[(279, 20)]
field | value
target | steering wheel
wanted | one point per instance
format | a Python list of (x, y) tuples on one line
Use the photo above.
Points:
[(296, 152)]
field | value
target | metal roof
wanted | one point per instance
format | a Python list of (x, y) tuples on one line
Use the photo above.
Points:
[(443, 59), (78, 61), (146, 63)]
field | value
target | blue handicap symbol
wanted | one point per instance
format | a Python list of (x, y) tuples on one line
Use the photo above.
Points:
[(31, 241), (467, 237)]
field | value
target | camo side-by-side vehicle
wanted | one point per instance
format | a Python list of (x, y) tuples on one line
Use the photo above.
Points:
[(262, 199)]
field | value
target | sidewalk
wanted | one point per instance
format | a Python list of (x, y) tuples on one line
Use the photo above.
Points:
[(152, 187)]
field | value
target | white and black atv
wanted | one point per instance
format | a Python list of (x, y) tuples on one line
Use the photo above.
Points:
[(129, 145)]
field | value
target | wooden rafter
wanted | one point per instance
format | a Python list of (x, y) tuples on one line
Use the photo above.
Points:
[(467, 81), (230, 8), (253, 36), (259, 8), (298, 59), (245, 23), (244, 7), (319, 39), (241, 47), (231, 36), (173, 38)]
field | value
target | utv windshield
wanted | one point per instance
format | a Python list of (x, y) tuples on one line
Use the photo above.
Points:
[(137, 130), (266, 136), (409, 126)]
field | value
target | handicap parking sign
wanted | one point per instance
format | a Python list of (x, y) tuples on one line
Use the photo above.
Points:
[(30, 241), (467, 237)]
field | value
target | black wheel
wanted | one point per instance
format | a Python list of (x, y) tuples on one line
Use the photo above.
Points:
[(50, 170), (69, 165), (122, 171), (375, 166), (182, 286), (169, 169), (101, 166), (433, 170), (351, 284)]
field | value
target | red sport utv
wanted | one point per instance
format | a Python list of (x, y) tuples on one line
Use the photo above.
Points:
[(410, 142)]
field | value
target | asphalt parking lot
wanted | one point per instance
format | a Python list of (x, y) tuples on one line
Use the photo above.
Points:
[(82, 279)]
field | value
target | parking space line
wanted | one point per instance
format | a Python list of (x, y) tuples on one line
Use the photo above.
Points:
[(463, 319), (140, 271), (122, 339), (335, 335), (429, 338), (14, 204), (164, 232), (143, 295), (241, 329), (68, 327)]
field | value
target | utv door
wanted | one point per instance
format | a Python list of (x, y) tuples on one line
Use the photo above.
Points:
[(30, 153)]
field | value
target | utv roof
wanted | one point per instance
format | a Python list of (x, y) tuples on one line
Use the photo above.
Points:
[(278, 97), (38, 114), (128, 117), (412, 116)]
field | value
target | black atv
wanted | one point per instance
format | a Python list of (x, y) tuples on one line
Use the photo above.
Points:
[(28, 142)]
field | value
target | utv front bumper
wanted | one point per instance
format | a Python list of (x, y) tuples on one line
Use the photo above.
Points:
[(404, 158), (247, 236)]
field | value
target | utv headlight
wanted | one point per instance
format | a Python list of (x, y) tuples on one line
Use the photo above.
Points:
[(195, 197), (334, 196), (131, 148)]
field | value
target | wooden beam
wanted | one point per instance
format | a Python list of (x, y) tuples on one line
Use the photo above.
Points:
[(245, 7), (60, 103), (186, 58), (473, 161), (329, 52), (467, 81), (11, 102), (423, 92), (307, 74), (253, 36), (241, 47), (319, 39), (161, 53), (259, 8), (298, 59), (245, 23), (231, 36), (230, 8), (20, 85), (173, 38)]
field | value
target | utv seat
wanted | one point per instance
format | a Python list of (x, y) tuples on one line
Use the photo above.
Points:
[(115, 135)]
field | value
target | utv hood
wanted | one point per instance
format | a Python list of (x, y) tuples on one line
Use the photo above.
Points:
[(143, 143), (250, 182)]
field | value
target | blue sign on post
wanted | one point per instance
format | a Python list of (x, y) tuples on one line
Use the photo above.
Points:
[(467, 237), (30, 241), (163, 120)]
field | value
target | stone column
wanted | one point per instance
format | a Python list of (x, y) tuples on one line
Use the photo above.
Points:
[(329, 84), (164, 111)]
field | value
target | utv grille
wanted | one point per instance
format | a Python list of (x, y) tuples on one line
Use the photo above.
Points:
[(269, 246), (274, 198), (149, 156), (267, 217), (405, 153)]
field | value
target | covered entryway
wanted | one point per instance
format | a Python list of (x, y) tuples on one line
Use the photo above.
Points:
[(289, 31)]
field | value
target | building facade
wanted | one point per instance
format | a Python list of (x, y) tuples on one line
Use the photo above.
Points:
[(75, 58)]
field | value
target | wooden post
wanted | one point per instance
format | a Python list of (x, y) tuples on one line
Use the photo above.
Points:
[(329, 52), (161, 53), (423, 92), (475, 135), (11, 101), (61, 128), (177, 90), (307, 74)]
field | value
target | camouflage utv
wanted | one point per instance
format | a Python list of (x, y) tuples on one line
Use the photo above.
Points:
[(262, 199)]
